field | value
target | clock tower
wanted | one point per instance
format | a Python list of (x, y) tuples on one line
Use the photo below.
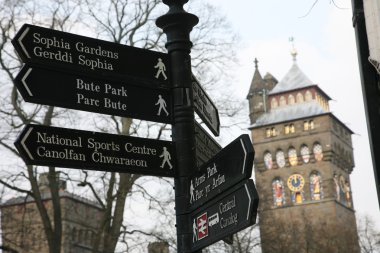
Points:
[(303, 161)]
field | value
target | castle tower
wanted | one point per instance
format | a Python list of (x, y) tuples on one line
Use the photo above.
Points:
[(22, 228), (303, 161), (258, 93)]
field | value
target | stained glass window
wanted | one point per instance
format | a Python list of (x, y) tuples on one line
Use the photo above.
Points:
[(278, 192), (317, 150), (316, 188), (305, 153), (280, 158), (292, 154), (268, 160)]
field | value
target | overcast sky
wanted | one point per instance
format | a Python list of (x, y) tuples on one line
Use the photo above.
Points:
[(325, 41)]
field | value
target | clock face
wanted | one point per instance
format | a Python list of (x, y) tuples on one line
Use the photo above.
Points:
[(305, 154), (296, 182), (268, 160), (280, 159), (292, 156)]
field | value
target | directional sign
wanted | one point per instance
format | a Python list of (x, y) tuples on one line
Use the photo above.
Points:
[(205, 108), (205, 146), (78, 91), (230, 166), (231, 212), (56, 49), (69, 148)]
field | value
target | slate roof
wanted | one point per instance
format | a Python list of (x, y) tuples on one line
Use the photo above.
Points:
[(294, 79), (289, 112)]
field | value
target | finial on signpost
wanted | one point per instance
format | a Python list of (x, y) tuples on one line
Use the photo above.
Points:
[(177, 24)]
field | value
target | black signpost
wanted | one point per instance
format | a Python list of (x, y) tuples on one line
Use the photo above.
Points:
[(205, 146), (229, 213), (230, 166), (61, 50), (205, 108), (213, 200), (69, 148), (82, 92)]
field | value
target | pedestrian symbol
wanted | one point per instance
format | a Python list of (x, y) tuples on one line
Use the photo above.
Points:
[(161, 69), (191, 192), (166, 158), (195, 231), (162, 105)]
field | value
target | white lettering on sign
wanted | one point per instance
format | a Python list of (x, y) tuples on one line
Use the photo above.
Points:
[(211, 171), (116, 105), (226, 207), (97, 145), (82, 85), (57, 140), (50, 42), (115, 91), (232, 219), (107, 103), (206, 183), (81, 99), (101, 158), (65, 154), (139, 150), (58, 49), (81, 47)]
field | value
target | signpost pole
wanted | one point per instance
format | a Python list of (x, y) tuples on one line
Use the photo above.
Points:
[(177, 24)]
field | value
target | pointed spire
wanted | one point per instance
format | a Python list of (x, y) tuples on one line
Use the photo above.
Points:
[(257, 82), (293, 52)]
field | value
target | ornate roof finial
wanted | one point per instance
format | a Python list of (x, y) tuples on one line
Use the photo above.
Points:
[(256, 63), (293, 52)]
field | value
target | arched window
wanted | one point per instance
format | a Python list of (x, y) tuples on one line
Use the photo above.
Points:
[(268, 132), (280, 158), (274, 131), (291, 99), (292, 154), (316, 188), (305, 153), (317, 151), (311, 124), (274, 103), (286, 129), (278, 192), (305, 125), (292, 128), (282, 101), (308, 96), (268, 161), (299, 97)]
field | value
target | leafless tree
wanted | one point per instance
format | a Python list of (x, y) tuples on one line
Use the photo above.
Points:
[(126, 22), (369, 237)]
